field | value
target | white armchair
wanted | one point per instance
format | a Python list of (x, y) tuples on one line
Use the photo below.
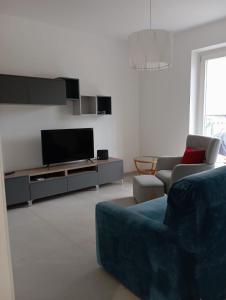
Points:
[(169, 169)]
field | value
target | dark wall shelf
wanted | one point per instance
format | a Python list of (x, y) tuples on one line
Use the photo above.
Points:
[(72, 88), (104, 105), (44, 91), (31, 90), (14, 89)]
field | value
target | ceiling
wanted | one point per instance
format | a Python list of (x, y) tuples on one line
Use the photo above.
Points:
[(117, 18)]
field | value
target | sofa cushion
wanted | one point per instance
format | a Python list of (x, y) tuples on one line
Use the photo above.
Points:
[(193, 156), (196, 212), (153, 209), (165, 177), (197, 208)]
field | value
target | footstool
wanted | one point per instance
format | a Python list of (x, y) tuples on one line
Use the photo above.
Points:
[(147, 187)]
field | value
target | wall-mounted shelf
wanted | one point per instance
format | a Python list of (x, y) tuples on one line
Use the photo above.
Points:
[(92, 105), (88, 105), (104, 105), (72, 88), (34, 90), (31, 90)]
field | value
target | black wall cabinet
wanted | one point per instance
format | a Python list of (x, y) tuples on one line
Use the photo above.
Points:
[(47, 91), (14, 89), (103, 105), (72, 88), (32, 90)]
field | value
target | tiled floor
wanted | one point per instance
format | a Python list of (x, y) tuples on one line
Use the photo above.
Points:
[(53, 247)]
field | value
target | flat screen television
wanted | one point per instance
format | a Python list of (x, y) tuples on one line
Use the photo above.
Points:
[(64, 145)]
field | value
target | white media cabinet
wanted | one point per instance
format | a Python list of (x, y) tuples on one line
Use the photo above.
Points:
[(29, 185)]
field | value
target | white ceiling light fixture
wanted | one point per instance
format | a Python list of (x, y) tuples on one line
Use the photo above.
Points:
[(150, 49)]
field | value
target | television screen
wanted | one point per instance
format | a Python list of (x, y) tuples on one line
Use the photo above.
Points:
[(64, 145)]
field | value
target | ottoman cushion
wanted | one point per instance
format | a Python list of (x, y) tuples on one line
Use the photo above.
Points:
[(147, 187)]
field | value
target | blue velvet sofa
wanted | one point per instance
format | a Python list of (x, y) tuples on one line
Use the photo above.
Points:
[(169, 248)]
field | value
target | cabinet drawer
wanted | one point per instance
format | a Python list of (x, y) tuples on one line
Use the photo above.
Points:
[(110, 172), (82, 180), (48, 187), (17, 190)]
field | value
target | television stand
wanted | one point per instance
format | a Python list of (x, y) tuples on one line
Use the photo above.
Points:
[(91, 160), (37, 183)]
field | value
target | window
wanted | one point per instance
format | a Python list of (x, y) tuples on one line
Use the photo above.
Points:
[(215, 97), (212, 102)]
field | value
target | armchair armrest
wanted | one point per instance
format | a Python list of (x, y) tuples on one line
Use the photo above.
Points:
[(182, 170), (167, 162), (141, 253)]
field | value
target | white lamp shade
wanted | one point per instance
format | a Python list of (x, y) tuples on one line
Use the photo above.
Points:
[(150, 50)]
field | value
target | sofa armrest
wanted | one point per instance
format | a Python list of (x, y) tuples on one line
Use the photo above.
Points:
[(141, 253), (167, 162), (182, 170)]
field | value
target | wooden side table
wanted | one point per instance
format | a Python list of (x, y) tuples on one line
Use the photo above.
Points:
[(146, 165)]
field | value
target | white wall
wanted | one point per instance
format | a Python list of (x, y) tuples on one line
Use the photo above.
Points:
[(37, 49), (6, 278), (166, 95)]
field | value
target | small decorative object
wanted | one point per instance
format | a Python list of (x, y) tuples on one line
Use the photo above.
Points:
[(102, 154), (150, 49)]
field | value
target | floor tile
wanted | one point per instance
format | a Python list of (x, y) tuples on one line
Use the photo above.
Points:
[(54, 251)]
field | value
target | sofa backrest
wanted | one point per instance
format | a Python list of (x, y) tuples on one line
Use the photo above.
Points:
[(196, 211), (211, 145)]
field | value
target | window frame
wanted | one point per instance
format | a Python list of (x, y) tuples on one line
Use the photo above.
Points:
[(203, 58)]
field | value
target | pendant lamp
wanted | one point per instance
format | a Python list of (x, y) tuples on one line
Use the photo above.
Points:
[(150, 49)]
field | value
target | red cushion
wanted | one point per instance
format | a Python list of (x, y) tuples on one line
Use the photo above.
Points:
[(193, 156)]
